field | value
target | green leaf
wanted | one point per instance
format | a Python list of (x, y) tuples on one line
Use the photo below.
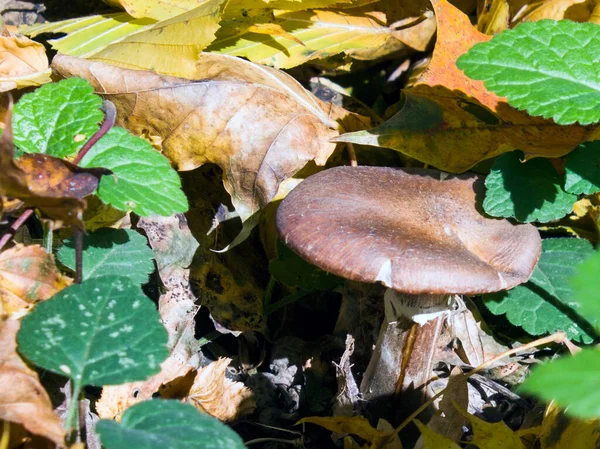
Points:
[(528, 191), (548, 68), (545, 304), (294, 271), (585, 287), (104, 331), (571, 381), (160, 424), (111, 252), (57, 119), (143, 180), (583, 169)]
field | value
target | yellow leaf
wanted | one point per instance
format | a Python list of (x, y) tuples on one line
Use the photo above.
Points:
[(215, 394), (432, 440), (169, 46), (155, 9), (561, 431), (274, 29), (494, 17), (577, 10), (23, 399), (23, 62), (491, 435), (28, 275)]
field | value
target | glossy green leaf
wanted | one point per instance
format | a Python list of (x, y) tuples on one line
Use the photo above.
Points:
[(583, 169), (57, 119), (104, 331), (160, 424), (528, 191), (545, 304), (143, 180), (571, 381), (548, 68), (110, 251)]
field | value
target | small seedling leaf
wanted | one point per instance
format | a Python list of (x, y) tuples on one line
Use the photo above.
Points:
[(528, 191), (571, 381), (143, 180), (545, 304), (548, 68), (159, 424), (111, 252), (104, 331), (57, 119), (583, 169)]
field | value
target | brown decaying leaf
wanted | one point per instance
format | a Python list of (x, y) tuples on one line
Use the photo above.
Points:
[(258, 124), (28, 275), (215, 394), (25, 402), (54, 186)]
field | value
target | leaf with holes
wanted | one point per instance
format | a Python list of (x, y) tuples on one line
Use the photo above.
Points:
[(143, 180), (545, 304), (157, 424), (104, 331), (57, 118), (111, 252)]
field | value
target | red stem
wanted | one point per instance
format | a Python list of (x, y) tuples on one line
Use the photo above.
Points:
[(110, 114), (15, 227)]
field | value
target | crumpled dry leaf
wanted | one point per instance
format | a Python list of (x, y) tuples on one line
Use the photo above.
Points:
[(258, 124), (215, 394), (576, 10), (54, 186), (25, 402), (28, 275), (23, 62), (493, 16)]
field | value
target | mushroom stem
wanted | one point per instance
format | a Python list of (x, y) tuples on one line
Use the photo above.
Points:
[(403, 356)]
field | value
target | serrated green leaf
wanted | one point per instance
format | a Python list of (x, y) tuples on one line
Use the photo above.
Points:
[(294, 271), (57, 119), (104, 331), (528, 191), (582, 170), (549, 68), (585, 287), (160, 424), (110, 251), (545, 304), (143, 180), (571, 381)]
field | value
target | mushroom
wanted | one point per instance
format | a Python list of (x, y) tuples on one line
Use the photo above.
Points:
[(417, 231)]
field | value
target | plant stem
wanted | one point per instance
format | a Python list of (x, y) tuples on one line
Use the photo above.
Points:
[(78, 255), (110, 114), (15, 227), (48, 240), (5, 435), (72, 420)]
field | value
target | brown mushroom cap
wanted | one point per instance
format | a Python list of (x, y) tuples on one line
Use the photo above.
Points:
[(408, 229)]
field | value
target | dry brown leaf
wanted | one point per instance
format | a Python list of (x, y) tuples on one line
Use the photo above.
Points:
[(215, 394), (25, 402), (28, 274), (54, 186), (23, 62), (576, 10), (258, 124)]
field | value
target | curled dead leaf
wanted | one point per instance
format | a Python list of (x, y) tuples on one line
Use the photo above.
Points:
[(215, 394), (25, 402), (28, 275)]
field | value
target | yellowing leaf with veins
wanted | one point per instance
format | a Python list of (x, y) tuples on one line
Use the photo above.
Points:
[(28, 274), (23, 62), (215, 394), (155, 9), (169, 46), (432, 440), (318, 34), (23, 399)]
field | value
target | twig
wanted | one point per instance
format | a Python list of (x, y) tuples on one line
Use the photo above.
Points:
[(558, 337), (110, 114), (15, 227), (351, 154)]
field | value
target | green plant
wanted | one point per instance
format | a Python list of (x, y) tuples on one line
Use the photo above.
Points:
[(549, 68)]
